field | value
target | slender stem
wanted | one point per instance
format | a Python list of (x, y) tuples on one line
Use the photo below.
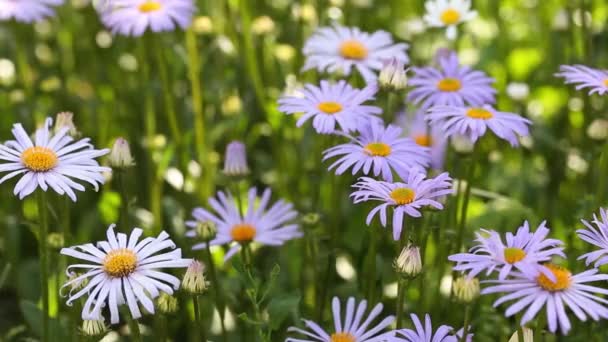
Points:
[(401, 287), (167, 92), (124, 198), (134, 329), (466, 197), (467, 320), (198, 318), (250, 53), (371, 264), (44, 272), (216, 286), (541, 320)]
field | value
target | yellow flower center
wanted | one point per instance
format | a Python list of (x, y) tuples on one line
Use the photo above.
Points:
[(562, 276), (342, 337), (149, 6), (377, 149), (353, 49), (606, 82), (403, 196), (120, 263), (329, 107), (479, 113), (449, 84), (513, 255), (450, 16), (423, 140), (39, 159), (243, 232)]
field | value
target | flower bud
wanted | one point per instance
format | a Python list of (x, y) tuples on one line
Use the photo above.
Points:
[(465, 289), (194, 280), (120, 156), (235, 162), (166, 303), (528, 335), (55, 240), (93, 328), (65, 119), (393, 76), (206, 230), (409, 262)]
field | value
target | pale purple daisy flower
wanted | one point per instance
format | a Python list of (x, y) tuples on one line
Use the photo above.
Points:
[(235, 161), (566, 291), (585, 77), (51, 160), (452, 85), (267, 226), (473, 122), (339, 48), (134, 17), (123, 270), (404, 198), (419, 130), (597, 237), (524, 251), (27, 11), (378, 150), (425, 333), (448, 13), (332, 104), (352, 329)]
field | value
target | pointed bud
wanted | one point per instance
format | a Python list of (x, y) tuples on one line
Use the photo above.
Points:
[(206, 230), (235, 162), (393, 75), (194, 280), (528, 335), (166, 303), (120, 156), (66, 119), (466, 290), (409, 262), (93, 328)]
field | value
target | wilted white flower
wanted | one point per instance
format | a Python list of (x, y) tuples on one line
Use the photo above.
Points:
[(409, 262), (194, 280), (393, 75), (120, 156)]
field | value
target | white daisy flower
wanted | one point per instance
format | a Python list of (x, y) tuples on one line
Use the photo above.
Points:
[(339, 48), (122, 270), (50, 160), (448, 13)]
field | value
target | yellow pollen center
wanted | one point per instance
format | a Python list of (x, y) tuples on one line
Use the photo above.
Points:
[(479, 113), (120, 263), (450, 16), (39, 159), (342, 337), (243, 232), (606, 82), (562, 276), (513, 255), (423, 140), (377, 149), (329, 107), (403, 196), (449, 84), (149, 6), (353, 49)]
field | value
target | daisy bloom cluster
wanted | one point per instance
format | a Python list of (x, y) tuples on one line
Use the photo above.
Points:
[(27, 11), (448, 14), (339, 49)]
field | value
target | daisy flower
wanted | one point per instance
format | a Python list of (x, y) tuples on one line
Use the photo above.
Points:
[(339, 49), (134, 17), (451, 85), (352, 329), (123, 270), (50, 160), (378, 150), (448, 13), (426, 333), (567, 290), (523, 251), (404, 198), (27, 11), (597, 237), (331, 104), (267, 226), (473, 122), (416, 128), (585, 77)]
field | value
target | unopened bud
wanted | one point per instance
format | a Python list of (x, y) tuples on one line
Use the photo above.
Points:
[(235, 162), (120, 156), (55, 240), (166, 303), (93, 328), (63, 120), (466, 289), (393, 75), (409, 262), (194, 280), (206, 230)]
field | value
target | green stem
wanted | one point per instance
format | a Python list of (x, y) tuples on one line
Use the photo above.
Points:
[(44, 272), (371, 264), (167, 92), (541, 320), (124, 198), (216, 286), (198, 318), (250, 53), (401, 287), (466, 198), (467, 320), (134, 329)]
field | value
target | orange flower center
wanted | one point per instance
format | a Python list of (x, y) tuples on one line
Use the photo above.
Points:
[(120, 263), (403, 196), (243, 232), (606, 82), (329, 107), (562, 276), (150, 6), (479, 113), (39, 159), (449, 84), (377, 149), (423, 140), (353, 49), (342, 337), (450, 16), (513, 255)]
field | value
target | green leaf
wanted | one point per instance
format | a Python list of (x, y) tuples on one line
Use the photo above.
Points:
[(33, 317), (280, 307)]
